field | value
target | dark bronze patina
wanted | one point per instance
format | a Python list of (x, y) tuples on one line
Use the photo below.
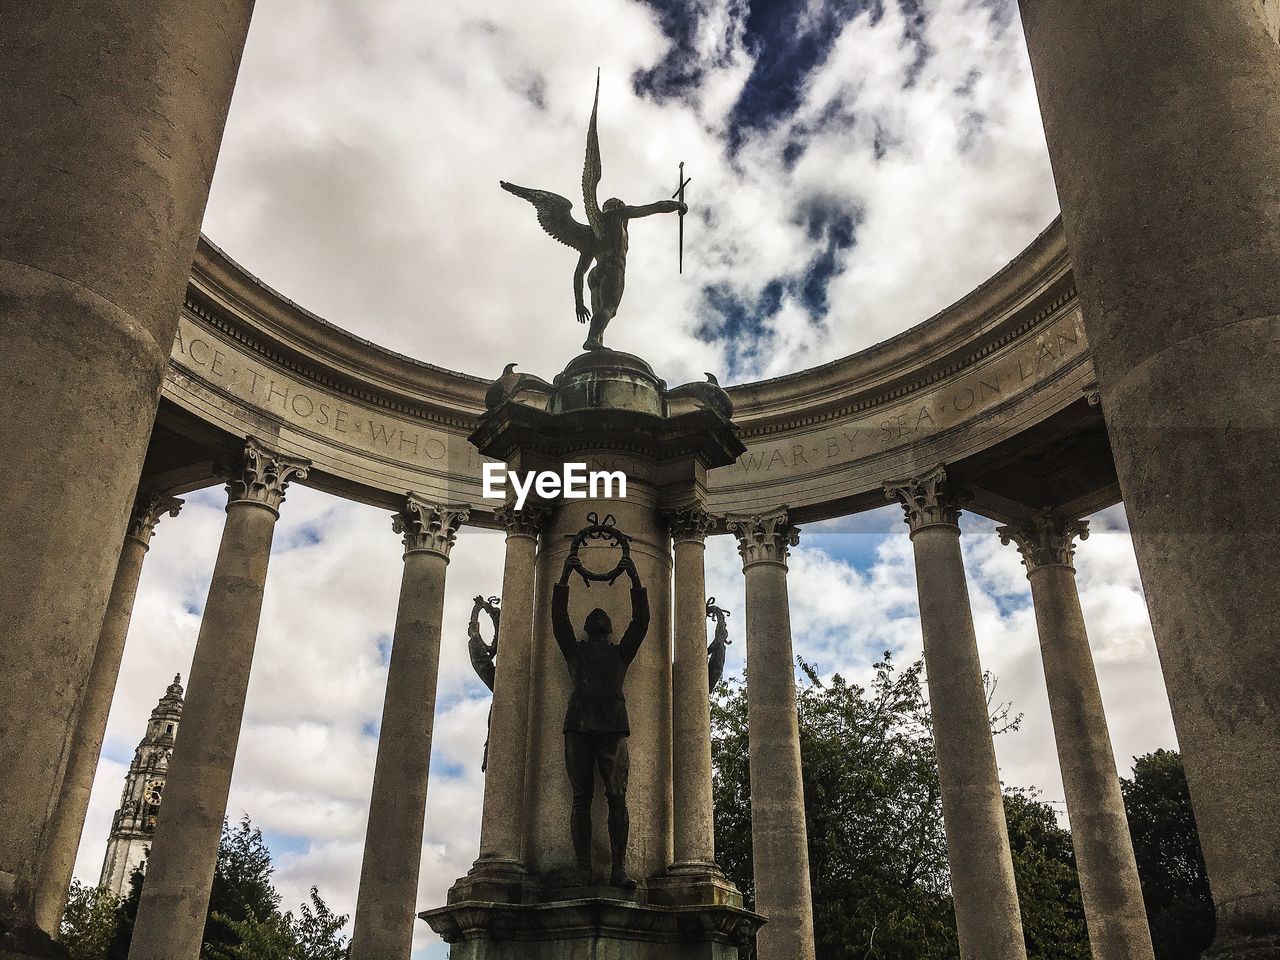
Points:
[(603, 238), (596, 726)]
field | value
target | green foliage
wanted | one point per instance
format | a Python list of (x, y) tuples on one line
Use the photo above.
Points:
[(89, 922), (877, 851), (1170, 864), (1044, 868), (244, 920)]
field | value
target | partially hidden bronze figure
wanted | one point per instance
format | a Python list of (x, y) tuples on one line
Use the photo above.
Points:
[(596, 727), (716, 649), (602, 239), (484, 655)]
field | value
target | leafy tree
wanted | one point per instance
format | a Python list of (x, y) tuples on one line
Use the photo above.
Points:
[(89, 922), (1170, 864), (244, 920), (877, 851), (1044, 868), (319, 931)]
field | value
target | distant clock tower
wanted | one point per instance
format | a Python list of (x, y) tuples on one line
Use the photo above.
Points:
[(135, 821)]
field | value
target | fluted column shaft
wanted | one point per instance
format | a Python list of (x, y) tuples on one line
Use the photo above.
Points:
[(779, 839), (1163, 127), (397, 808), (982, 883), (691, 704), (112, 117), (91, 725), (501, 836), (1109, 885), (175, 896)]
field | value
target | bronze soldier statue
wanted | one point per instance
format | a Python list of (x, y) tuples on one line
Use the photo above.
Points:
[(603, 238), (595, 725)]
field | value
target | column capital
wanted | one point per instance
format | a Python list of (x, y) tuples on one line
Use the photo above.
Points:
[(765, 537), (929, 499), (1045, 539), (526, 522), (428, 527), (689, 523), (148, 508), (262, 475)]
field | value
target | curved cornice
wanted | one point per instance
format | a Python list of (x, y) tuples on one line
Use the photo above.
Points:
[(268, 366)]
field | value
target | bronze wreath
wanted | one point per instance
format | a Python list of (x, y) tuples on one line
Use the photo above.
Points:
[(597, 529)]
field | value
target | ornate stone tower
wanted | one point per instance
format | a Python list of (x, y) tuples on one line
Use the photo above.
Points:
[(135, 821)]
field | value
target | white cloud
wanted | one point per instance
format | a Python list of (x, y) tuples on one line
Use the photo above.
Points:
[(359, 176)]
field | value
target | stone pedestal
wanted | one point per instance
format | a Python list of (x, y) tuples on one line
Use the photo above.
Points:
[(609, 411)]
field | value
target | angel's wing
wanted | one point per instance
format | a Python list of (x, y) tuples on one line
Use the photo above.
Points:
[(555, 218), (591, 169)]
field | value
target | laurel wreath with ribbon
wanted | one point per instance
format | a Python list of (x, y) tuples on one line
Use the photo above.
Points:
[(598, 529)]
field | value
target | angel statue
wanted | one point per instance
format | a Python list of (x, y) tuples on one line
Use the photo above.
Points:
[(602, 239)]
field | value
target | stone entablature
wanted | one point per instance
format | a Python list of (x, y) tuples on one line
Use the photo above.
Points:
[(374, 423)]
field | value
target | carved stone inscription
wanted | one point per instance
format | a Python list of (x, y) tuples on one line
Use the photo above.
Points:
[(915, 419), (300, 405)]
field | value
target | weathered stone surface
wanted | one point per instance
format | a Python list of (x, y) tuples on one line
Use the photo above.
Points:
[(779, 840), (982, 883), (91, 724), (175, 898), (1109, 885), (1163, 127), (383, 928), (105, 141), (592, 928)]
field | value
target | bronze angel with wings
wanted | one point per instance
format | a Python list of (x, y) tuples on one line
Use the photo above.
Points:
[(602, 239)]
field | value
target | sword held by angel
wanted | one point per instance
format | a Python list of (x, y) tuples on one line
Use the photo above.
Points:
[(602, 239)]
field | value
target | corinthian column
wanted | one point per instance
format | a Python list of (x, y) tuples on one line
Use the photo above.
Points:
[(986, 900), (779, 841), (112, 116), (393, 840), (691, 705), (1163, 125), (501, 835), (175, 897), (91, 725), (1109, 883)]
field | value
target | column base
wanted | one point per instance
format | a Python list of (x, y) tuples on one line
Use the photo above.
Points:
[(592, 928), (494, 880)]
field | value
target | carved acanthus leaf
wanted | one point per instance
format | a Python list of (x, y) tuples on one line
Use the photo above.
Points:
[(263, 475), (428, 526), (148, 508), (689, 523), (1046, 538), (526, 522), (765, 537), (927, 499)]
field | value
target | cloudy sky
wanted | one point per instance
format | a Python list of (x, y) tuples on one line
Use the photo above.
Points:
[(856, 167)]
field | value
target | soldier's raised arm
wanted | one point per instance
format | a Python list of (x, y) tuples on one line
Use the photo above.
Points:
[(561, 626), (639, 625)]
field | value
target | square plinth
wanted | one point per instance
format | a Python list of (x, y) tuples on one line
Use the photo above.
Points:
[(592, 928)]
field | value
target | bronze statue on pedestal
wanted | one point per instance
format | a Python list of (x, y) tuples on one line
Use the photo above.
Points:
[(603, 238), (596, 727)]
